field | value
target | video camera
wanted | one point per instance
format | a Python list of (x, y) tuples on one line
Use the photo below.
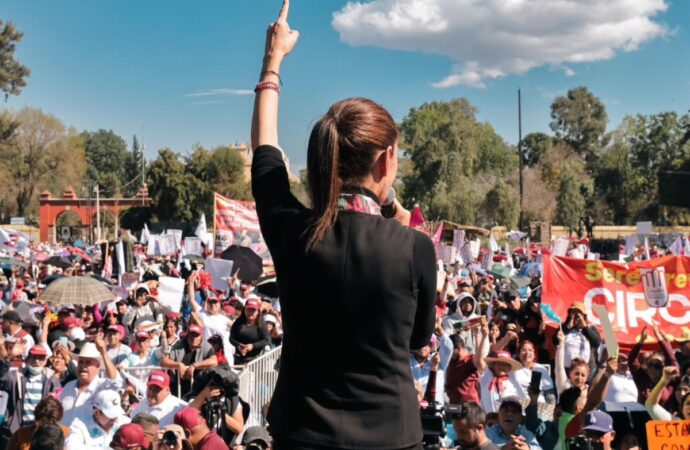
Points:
[(582, 442), (433, 417)]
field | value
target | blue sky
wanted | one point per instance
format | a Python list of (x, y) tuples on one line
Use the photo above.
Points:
[(139, 66)]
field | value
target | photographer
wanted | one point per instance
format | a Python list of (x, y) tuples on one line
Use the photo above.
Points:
[(598, 430), (469, 422), (145, 307), (219, 403), (196, 430)]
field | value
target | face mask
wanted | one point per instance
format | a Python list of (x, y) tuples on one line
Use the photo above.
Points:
[(34, 370)]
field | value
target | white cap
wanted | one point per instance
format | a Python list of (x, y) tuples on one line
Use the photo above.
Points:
[(109, 403)]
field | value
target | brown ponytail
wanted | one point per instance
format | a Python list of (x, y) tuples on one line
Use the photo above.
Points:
[(341, 150)]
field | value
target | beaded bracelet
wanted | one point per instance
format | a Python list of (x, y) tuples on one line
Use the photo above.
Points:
[(267, 85), (271, 72)]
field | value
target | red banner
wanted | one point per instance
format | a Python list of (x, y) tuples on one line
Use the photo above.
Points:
[(618, 287), (236, 223)]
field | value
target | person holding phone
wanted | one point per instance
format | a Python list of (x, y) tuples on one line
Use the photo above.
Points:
[(374, 278)]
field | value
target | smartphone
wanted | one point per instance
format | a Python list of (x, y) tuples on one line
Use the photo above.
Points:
[(63, 341), (535, 381)]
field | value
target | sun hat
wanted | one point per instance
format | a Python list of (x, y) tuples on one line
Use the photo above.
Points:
[(505, 357)]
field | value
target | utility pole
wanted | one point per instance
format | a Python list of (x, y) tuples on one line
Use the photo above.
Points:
[(143, 164), (98, 214), (520, 156)]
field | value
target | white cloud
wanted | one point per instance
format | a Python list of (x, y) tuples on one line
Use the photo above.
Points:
[(223, 91), (490, 39), (568, 72), (208, 102)]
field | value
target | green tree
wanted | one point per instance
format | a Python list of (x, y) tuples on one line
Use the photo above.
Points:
[(175, 193), (12, 72), (106, 154), (534, 146), (503, 204), (570, 202), (40, 154), (494, 155), (133, 169), (579, 118)]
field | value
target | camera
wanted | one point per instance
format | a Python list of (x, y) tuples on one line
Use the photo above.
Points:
[(582, 442), (433, 418), (170, 438)]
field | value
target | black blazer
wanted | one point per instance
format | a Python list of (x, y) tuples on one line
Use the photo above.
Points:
[(353, 308)]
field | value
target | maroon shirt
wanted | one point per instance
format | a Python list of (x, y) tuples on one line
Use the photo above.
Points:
[(211, 442), (462, 380)]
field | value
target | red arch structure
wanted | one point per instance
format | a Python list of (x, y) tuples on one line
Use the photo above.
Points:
[(85, 208)]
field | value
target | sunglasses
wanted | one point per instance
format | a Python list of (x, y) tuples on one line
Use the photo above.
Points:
[(655, 365)]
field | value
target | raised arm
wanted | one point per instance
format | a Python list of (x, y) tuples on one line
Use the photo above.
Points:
[(280, 40), (561, 377), (653, 407), (481, 350)]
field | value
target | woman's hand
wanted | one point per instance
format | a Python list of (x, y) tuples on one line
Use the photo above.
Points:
[(280, 39), (401, 214)]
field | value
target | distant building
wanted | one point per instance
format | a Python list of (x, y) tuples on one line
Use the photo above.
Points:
[(246, 154)]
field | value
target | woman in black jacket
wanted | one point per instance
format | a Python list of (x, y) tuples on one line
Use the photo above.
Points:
[(249, 333), (357, 290)]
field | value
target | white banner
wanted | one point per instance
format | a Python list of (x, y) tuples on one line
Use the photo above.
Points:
[(192, 246), (654, 284)]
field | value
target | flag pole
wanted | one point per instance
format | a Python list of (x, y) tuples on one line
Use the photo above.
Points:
[(213, 244)]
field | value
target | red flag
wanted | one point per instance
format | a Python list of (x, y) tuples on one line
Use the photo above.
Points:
[(416, 218), (437, 236)]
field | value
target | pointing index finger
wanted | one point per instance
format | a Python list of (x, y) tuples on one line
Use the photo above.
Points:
[(282, 17)]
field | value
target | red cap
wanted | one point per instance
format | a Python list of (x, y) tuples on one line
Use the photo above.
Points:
[(38, 350), (213, 299), (172, 316), (252, 303), (71, 322), (130, 435), (188, 419), (143, 336), (228, 310), (20, 283), (119, 328), (194, 329), (159, 378)]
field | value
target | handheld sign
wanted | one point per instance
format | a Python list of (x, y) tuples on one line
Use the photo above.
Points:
[(668, 435), (654, 283), (612, 346)]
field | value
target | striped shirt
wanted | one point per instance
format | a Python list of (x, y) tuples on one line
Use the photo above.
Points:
[(33, 395)]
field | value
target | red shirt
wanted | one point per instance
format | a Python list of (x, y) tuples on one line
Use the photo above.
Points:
[(462, 380), (211, 442)]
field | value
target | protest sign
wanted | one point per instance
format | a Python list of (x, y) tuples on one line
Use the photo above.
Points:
[(610, 340), (166, 245), (493, 245), (668, 435), (559, 247), (170, 292), (129, 280), (466, 253), (654, 283), (236, 223), (192, 246), (458, 239), (153, 248), (177, 235), (644, 228), (618, 287), (220, 270), (475, 247)]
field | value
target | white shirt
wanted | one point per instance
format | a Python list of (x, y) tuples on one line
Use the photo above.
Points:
[(491, 400), (86, 434), (420, 373), (522, 378), (218, 324), (119, 355), (576, 346), (622, 388), (78, 404), (28, 341), (165, 412)]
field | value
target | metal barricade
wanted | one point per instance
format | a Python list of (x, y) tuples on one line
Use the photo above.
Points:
[(257, 384)]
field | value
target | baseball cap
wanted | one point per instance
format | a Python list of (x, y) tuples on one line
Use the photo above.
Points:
[(194, 329), (143, 336), (252, 303), (119, 328), (188, 419), (511, 400), (598, 421), (108, 402), (254, 434), (213, 298), (38, 350), (71, 322), (130, 435), (172, 316), (13, 316), (228, 310), (20, 283), (159, 378)]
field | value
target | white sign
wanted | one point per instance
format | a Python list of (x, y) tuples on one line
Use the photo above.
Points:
[(170, 292), (644, 228), (654, 283), (129, 280), (610, 341), (192, 246), (177, 234), (458, 239), (475, 247), (17, 221), (220, 270), (153, 248), (167, 245), (560, 246)]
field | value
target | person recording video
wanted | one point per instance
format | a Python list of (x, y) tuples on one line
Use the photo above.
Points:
[(372, 276)]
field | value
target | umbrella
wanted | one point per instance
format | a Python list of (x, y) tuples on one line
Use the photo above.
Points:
[(77, 291), (58, 261), (79, 244), (13, 262), (268, 287), (52, 278), (101, 279), (500, 271), (245, 260), (27, 311), (520, 282)]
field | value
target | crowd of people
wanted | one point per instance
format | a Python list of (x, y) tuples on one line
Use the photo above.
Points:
[(131, 371)]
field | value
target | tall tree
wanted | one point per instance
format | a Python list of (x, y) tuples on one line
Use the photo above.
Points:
[(534, 146), (571, 203), (579, 118), (106, 154), (175, 193), (40, 154), (133, 169), (12, 72), (502, 203)]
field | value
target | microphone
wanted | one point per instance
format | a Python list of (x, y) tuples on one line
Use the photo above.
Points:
[(388, 207)]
